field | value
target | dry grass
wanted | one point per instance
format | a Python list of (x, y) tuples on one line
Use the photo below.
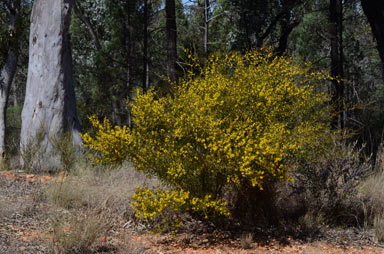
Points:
[(3, 208), (105, 190), (373, 191), (378, 227), (373, 186), (246, 241), (76, 234), (95, 199)]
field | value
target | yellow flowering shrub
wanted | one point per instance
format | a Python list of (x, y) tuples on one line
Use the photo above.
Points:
[(113, 144), (240, 121)]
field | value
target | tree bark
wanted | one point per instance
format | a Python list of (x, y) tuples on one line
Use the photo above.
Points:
[(374, 10), (170, 10), (8, 71), (337, 61), (50, 105)]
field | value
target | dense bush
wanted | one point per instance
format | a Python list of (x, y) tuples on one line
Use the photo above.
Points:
[(236, 125)]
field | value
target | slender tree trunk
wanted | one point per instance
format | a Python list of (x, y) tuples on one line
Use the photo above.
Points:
[(6, 77), (81, 15), (50, 105), (206, 27), (128, 49), (8, 71), (287, 24), (145, 49), (337, 61), (374, 10), (170, 10)]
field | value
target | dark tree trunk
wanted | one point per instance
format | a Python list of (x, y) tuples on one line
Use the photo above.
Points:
[(374, 10), (145, 49), (287, 24), (8, 71), (286, 27), (83, 17), (337, 61), (50, 105), (170, 10)]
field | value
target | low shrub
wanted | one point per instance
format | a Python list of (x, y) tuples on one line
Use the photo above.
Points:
[(236, 126), (330, 186)]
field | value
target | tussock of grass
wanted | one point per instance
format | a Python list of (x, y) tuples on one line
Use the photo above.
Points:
[(76, 234), (94, 199), (3, 208), (107, 191), (373, 186), (373, 190), (246, 240)]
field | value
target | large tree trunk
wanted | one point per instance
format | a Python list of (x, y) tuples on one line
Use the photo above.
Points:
[(170, 10), (50, 105), (337, 70), (8, 70), (374, 10)]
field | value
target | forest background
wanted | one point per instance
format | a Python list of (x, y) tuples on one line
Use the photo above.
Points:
[(140, 51)]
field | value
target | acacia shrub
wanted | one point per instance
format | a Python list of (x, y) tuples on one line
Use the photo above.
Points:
[(236, 125)]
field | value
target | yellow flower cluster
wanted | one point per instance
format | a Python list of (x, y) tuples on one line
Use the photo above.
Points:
[(112, 143), (241, 121), (148, 204)]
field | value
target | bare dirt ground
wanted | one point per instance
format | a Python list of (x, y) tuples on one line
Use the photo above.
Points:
[(25, 227)]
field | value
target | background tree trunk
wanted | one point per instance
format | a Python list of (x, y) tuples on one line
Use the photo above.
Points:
[(374, 10), (8, 70), (50, 105), (145, 48), (171, 39), (337, 70)]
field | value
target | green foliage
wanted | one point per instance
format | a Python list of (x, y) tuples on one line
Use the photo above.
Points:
[(238, 124)]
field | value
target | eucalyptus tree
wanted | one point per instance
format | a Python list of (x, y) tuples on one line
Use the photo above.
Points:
[(50, 106)]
